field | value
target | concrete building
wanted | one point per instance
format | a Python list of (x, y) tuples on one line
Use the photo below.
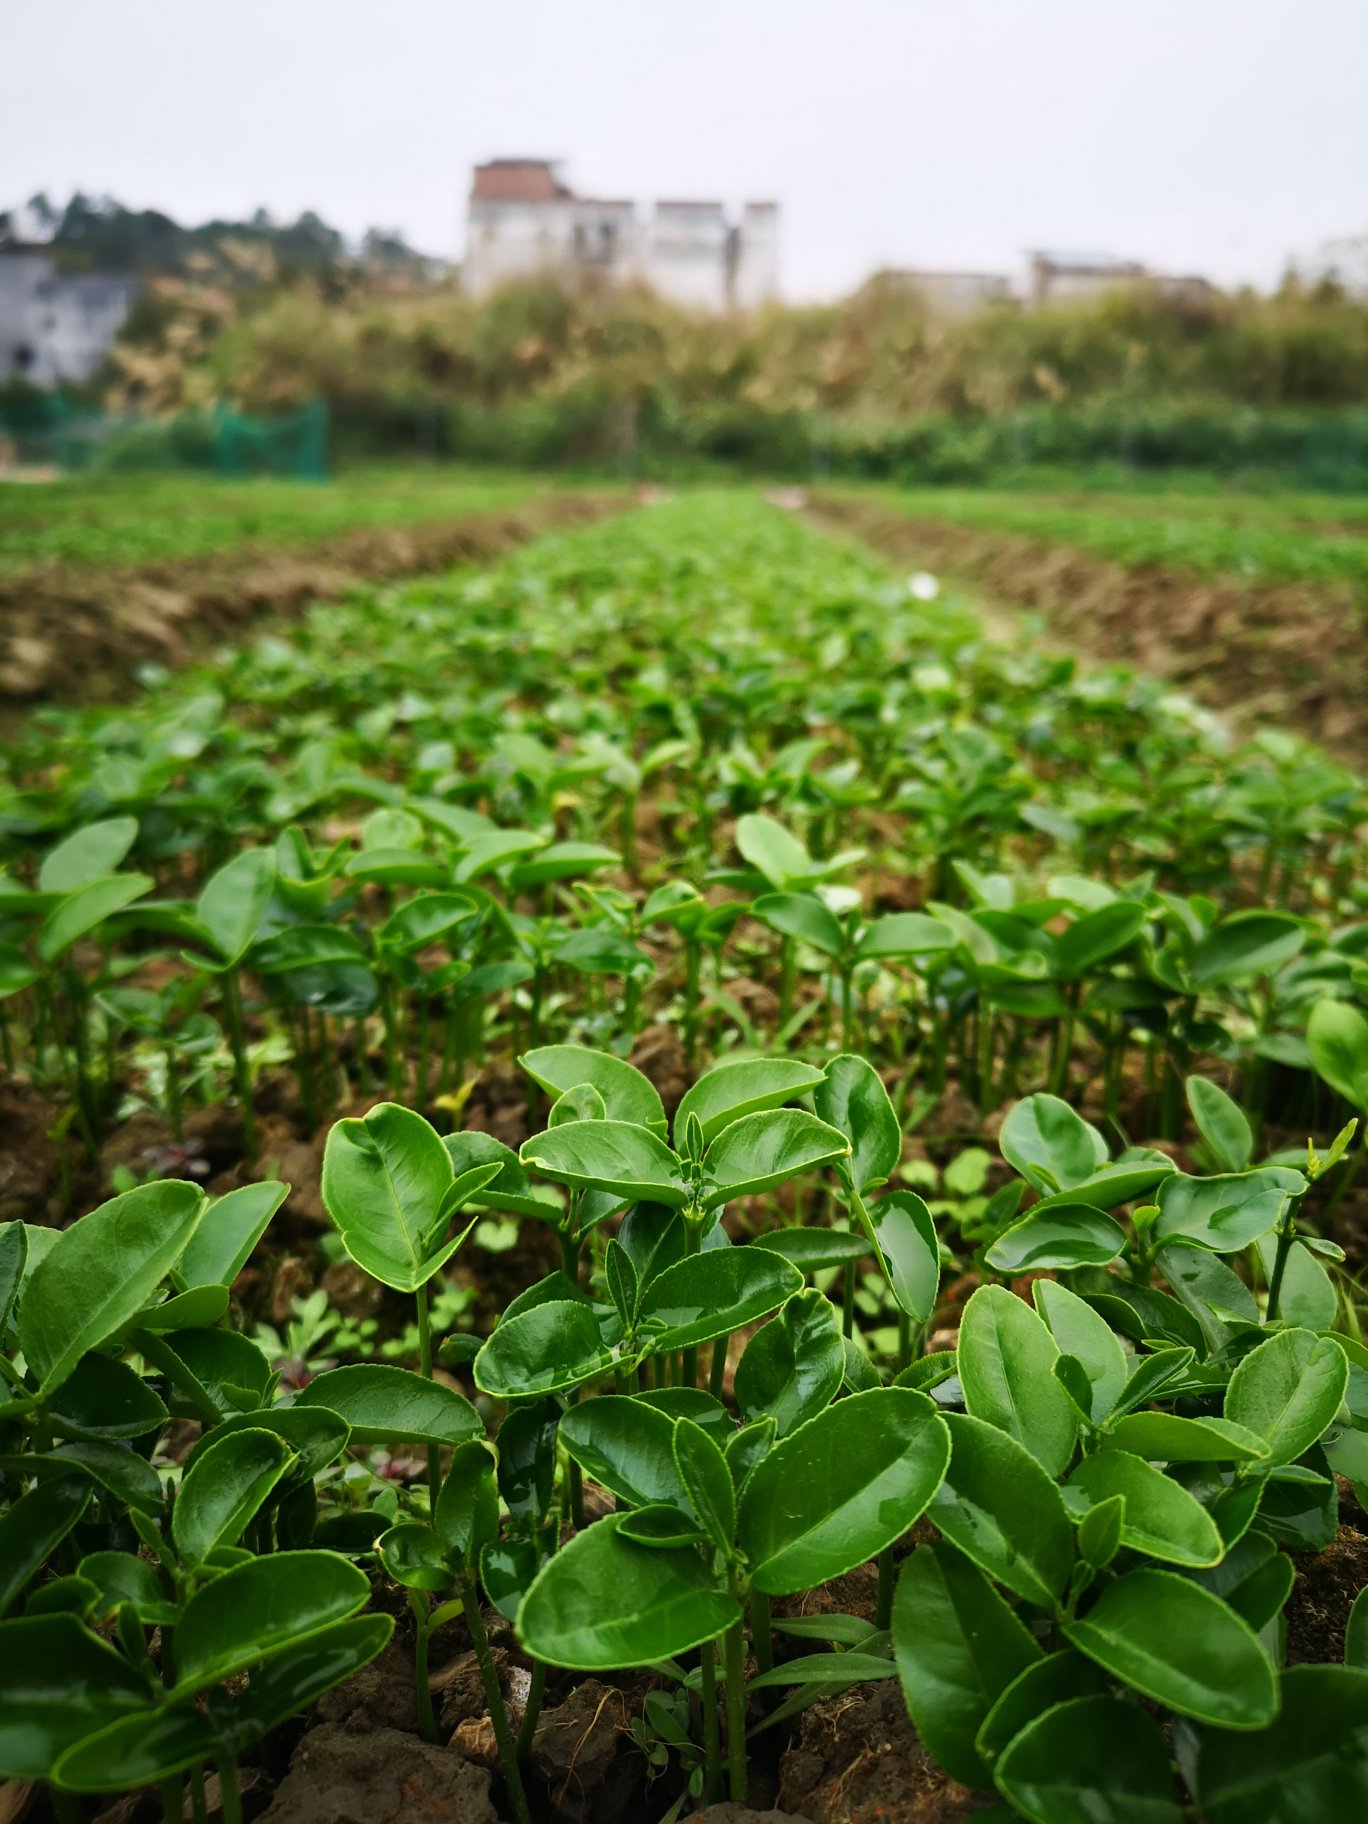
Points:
[(1074, 278), (55, 326), (523, 219), (945, 294)]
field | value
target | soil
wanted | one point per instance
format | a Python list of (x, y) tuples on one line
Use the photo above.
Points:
[(121, 617), (858, 1760), (1318, 1608), (1286, 652), (382, 1777)]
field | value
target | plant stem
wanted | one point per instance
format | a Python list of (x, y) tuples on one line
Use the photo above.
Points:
[(198, 1807), (173, 1799), (717, 1375), (420, 1604), (848, 1301), (734, 1669), (535, 1692), (66, 1807), (761, 1639), (712, 1734), (229, 1791), (498, 1715), (434, 1451), (242, 1070), (1285, 1240), (883, 1608)]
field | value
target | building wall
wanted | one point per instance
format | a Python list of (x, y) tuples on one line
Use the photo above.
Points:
[(756, 277), (56, 327)]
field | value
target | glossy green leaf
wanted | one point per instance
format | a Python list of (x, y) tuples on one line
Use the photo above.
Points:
[(298, 1677), (1337, 1039), (234, 901), (58, 1684), (1165, 1437), (793, 1365), (1308, 1299), (1002, 1510), (804, 916), (904, 934), (315, 1435), (759, 1151), (1068, 1235), (139, 1749), (743, 1086), (604, 1602), (958, 1647), (385, 1405), (547, 1349), (707, 1482), (835, 1492), (616, 1156), (506, 1571), (628, 1096), (1080, 1332), (1246, 945), (121, 1578), (711, 1294), (1043, 1684), (1222, 1123), (851, 1098), (1090, 1760), (511, 1189), (1224, 1213), (1311, 1763), (1095, 936), (228, 1231), (1006, 1366), (224, 1489), (1161, 1518), (116, 1467), (1050, 1145), (100, 1273), (386, 1180), (415, 1558), (814, 1250), (467, 1516), (773, 851), (1287, 1391), (34, 1526), (103, 1398), (258, 1609), (1180, 1645), (627, 1446), (910, 1250)]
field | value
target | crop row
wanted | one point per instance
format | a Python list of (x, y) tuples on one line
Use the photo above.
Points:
[(697, 770)]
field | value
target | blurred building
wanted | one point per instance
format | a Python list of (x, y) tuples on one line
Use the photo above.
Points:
[(56, 326), (523, 219), (944, 294)]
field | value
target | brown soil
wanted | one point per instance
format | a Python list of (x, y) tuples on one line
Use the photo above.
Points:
[(1285, 651), (70, 633), (1327, 1583), (858, 1760), (383, 1777)]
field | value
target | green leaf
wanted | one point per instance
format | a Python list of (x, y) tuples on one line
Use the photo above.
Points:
[(759, 1151), (1356, 1632), (1308, 1298), (1180, 1645), (1165, 1437), (1287, 1391), (1002, 1510), (506, 1571), (58, 1684), (87, 855), (260, 1608), (1053, 1148), (34, 1527), (1044, 1683), (86, 909), (1246, 945), (1095, 936), (711, 1294), (1224, 1213), (13, 1256), (616, 1156), (511, 1189), (958, 1647), (467, 1516), (835, 1492), (604, 1602), (224, 1489), (1311, 1763), (100, 1273), (851, 1098), (793, 1365), (825, 1670), (1337, 1039), (627, 1446), (137, 1750), (234, 901), (813, 1250), (1006, 1366), (1161, 1519), (415, 1558), (772, 851), (910, 1250), (1222, 1123), (547, 1349), (102, 1398), (385, 1183), (627, 1095), (297, 1678), (802, 915), (121, 1578), (1066, 1236), (707, 1482), (904, 934), (1090, 1339), (743, 1086), (1090, 1760), (230, 1228), (116, 1467), (385, 1405)]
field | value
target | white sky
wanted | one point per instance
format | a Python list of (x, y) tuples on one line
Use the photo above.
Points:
[(1216, 136)]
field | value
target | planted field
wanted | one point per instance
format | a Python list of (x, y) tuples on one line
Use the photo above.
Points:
[(1250, 601), (658, 1172)]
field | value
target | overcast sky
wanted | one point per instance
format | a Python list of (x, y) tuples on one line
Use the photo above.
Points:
[(1214, 136)]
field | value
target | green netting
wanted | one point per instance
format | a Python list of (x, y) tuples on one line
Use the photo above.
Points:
[(52, 429)]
